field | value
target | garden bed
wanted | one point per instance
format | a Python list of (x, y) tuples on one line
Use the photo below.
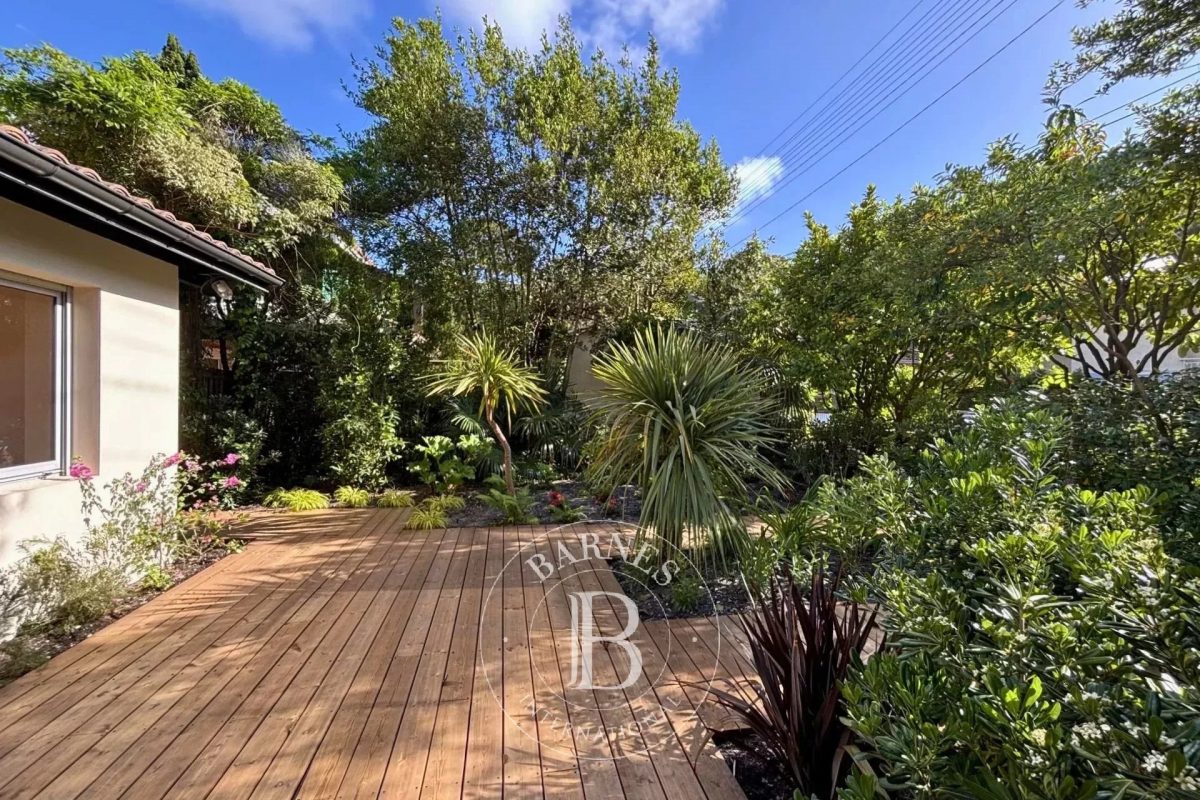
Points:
[(625, 508), (716, 592), (760, 776), (29, 650)]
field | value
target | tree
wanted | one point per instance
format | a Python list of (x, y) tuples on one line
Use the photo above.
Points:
[(688, 422), (481, 365), (215, 154), (541, 195), (877, 322), (1144, 38)]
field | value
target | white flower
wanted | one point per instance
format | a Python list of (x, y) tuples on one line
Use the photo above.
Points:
[(1092, 732), (1154, 762)]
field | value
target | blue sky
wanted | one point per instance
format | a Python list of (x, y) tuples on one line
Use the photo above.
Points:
[(747, 68)]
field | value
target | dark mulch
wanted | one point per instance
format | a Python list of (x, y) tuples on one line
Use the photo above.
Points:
[(625, 507), (760, 776), (28, 651), (722, 592)]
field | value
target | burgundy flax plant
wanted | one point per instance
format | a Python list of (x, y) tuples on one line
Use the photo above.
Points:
[(804, 642)]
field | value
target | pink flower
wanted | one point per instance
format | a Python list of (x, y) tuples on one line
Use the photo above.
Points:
[(141, 487), (173, 459), (232, 459), (192, 466), (232, 482), (80, 471)]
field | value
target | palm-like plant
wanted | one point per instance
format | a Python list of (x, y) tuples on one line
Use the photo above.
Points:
[(482, 366), (688, 422)]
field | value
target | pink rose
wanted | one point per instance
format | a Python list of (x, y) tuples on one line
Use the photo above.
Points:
[(232, 459), (232, 482), (80, 471)]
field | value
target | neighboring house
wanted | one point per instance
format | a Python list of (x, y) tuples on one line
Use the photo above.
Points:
[(90, 285)]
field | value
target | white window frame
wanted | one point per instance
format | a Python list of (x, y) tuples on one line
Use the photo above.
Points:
[(62, 351)]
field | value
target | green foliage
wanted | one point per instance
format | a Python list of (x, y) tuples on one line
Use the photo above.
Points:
[(439, 466), (446, 502), (514, 508), (1114, 441), (352, 497), (565, 513), (542, 193), (687, 592), (360, 440), (296, 499), (157, 579), (396, 498), (216, 154), (427, 516), (1144, 38), (688, 423), (1042, 643), (480, 366)]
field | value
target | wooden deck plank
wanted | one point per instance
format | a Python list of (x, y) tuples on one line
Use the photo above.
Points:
[(343, 656), (329, 765), (443, 778), (368, 764), (211, 739), (106, 735), (483, 775)]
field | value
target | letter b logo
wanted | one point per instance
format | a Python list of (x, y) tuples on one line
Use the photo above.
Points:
[(584, 637)]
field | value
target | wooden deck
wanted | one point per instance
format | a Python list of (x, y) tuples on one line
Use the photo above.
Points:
[(342, 655)]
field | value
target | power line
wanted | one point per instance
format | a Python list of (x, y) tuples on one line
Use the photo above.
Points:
[(908, 121), (825, 142), (862, 82), (841, 78)]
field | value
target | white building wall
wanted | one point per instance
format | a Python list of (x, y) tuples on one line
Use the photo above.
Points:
[(124, 351)]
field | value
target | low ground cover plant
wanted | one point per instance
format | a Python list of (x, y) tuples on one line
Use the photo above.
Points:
[(296, 499), (396, 498), (352, 497)]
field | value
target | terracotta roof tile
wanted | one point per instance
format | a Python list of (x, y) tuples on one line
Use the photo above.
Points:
[(20, 136)]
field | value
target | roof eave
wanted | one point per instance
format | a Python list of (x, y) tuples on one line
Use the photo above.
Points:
[(59, 186)]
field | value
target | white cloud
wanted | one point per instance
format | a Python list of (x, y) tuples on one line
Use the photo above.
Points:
[(607, 24), (522, 21), (756, 177), (290, 24)]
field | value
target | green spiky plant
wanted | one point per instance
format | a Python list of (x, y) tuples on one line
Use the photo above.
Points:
[(396, 498), (447, 502), (352, 497), (480, 366), (296, 499), (427, 517), (686, 421)]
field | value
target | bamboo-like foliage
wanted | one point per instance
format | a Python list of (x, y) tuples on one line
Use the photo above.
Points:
[(804, 641), (481, 366), (688, 422)]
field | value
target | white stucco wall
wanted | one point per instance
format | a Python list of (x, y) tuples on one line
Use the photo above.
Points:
[(124, 352)]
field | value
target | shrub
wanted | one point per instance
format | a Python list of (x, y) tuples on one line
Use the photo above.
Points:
[(296, 499), (427, 517), (447, 502), (157, 579), (514, 509), (352, 497), (1043, 644), (684, 420), (396, 498), (687, 591), (360, 439), (438, 466), (565, 513), (804, 641), (1114, 441)]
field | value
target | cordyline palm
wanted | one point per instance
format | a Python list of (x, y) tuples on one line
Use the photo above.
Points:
[(480, 365), (687, 421)]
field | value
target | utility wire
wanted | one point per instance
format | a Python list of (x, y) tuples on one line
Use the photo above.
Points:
[(848, 129), (908, 121), (843, 76), (908, 48)]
